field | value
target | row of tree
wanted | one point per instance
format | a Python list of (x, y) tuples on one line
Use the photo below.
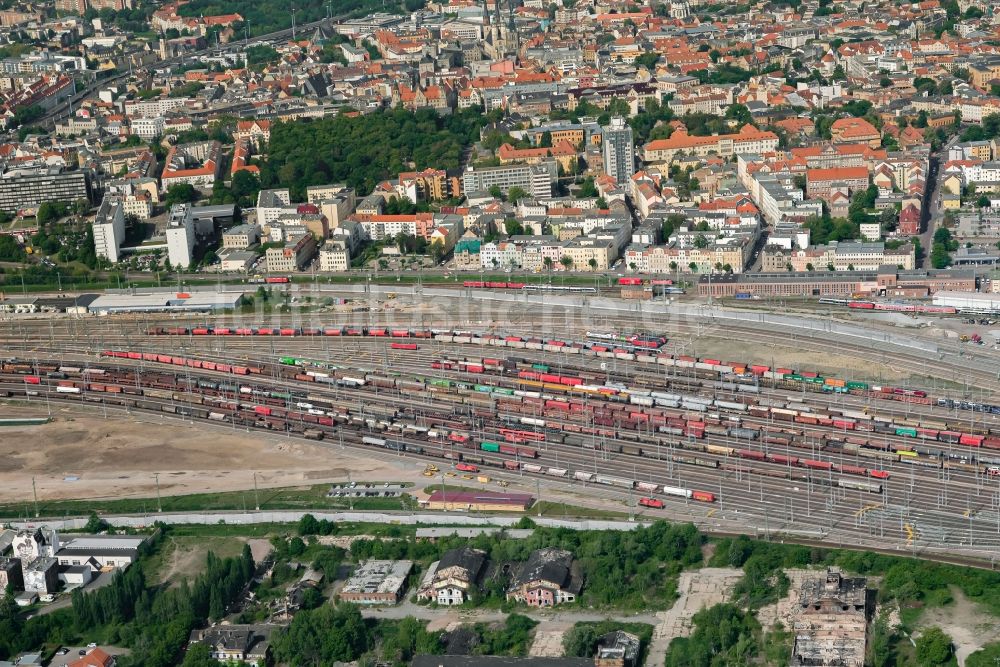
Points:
[(365, 150)]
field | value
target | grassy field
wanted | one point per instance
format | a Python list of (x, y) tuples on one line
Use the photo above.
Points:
[(300, 497), (564, 511), (184, 556)]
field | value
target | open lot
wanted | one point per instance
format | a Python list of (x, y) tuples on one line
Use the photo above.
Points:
[(87, 457)]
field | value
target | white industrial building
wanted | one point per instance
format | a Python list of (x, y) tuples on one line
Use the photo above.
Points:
[(109, 229), (969, 301), (180, 236), (100, 551), (164, 301)]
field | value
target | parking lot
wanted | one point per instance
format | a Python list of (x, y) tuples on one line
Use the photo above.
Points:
[(366, 490)]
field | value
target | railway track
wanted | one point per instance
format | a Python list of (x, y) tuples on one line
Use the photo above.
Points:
[(731, 483)]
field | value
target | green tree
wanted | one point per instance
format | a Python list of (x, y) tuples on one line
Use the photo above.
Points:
[(260, 55), (988, 656), (723, 635), (588, 189), (324, 635), (11, 250), (199, 655), (95, 524), (566, 261), (515, 194), (215, 608), (246, 185), (180, 193), (51, 211), (11, 624), (513, 227), (647, 60), (934, 647)]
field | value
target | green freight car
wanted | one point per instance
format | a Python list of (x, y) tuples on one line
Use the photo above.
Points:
[(440, 383), (910, 432), (489, 447), (540, 367), (862, 386), (289, 361)]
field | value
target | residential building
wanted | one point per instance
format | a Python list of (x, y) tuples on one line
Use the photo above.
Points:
[(451, 580), (984, 73), (95, 657), (334, 257), (250, 644), (139, 204), (197, 164), (563, 153), (549, 577), (377, 582), (619, 150), (308, 216), (536, 179), (748, 140), (148, 128), (336, 207), (109, 228), (241, 237), (271, 204), (589, 253), (855, 131), (26, 189), (30, 545), (297, 252), (154, 108), (11, 574), (236, 260), (822, 183), (42, 575), (257, 132), (378, 227)]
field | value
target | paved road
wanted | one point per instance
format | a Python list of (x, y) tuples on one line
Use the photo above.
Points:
[(465, 615), (66, 599), (932, 201)]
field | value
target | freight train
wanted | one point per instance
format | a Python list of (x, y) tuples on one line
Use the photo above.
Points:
[(640, 348)]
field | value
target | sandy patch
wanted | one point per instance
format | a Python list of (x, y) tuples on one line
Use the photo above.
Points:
[(969, 627), (90, 457), (549, 640)]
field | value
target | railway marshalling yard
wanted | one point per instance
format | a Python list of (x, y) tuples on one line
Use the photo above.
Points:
[(848, 437)]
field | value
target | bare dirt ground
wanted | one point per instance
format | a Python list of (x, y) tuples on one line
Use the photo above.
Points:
[(83, 456), (823, 362), (549, 639), (697, 590), (969, 627), (786, 609)]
